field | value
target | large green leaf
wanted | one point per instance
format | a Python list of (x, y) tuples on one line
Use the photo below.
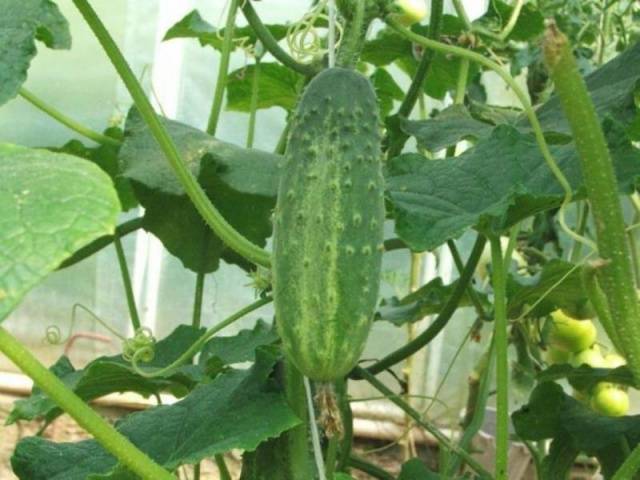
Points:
[(106, 157), (277, 87), (193, 25), (51, 205), (21, 24), (238, 409), (107, 375), (241, 183), (500, 181), (449, 127), (240, 347), (612, 88)]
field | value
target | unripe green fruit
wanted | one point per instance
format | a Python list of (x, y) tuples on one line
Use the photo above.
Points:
[(589, 356), (610, 400), (570, 334), (408, 12)]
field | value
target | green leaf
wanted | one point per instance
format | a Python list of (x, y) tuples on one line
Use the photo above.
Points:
[(51, 205), (584, 377), (559, 285), (415, 469), (106, 375), (277, 87), (241, 347), (450, 126), (386, 48), (386, 89), (427, 300), (238, 409), (241, 183), (21, 24), (551, 413), (612, 88), (193, 25), (106, 157), (500, 181)]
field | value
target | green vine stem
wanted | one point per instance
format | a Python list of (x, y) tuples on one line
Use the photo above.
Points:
[(346, 415), (126, 283), (211, 215), (438, 324), (479, 387), (369, 468), (297, 438), (94, 247), (223, 470), (462, 14), (112, 440), (616, 277), (513, 19), (415, 415), (499, 281), (473, 295), (630, 466), (524, 101), (200, 342), (354, 36), (223, 67), (416, 87), (253, 107), (67, 121), (271, 44)]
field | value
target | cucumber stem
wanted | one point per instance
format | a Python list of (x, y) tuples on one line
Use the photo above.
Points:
[(112, 440), (616, 277), (502, 360), (223, 68), (200, 342), (67, 121), (122, 230), (229, 235), (126, 282)]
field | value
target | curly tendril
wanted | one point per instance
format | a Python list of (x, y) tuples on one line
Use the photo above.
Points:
[(53, 334), (303, 39), (141, 347)]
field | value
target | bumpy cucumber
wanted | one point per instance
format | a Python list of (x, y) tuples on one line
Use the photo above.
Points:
[(329, 226)]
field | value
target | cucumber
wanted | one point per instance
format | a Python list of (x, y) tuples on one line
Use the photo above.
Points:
[(328, 226)]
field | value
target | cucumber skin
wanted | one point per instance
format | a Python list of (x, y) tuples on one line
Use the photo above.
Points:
[(329, 222)]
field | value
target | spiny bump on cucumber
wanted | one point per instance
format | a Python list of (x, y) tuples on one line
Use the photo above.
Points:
[(327, 271)]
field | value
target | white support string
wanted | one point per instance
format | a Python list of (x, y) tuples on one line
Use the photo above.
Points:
[(332, 33), (315, 436)]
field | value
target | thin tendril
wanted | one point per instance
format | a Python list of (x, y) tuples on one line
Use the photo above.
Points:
[(303, 39), (53, 334)]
